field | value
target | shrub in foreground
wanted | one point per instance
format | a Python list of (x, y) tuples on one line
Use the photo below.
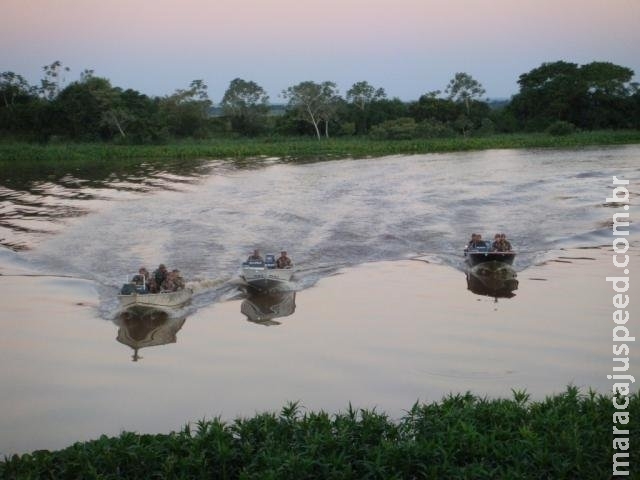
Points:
[(463, 436)]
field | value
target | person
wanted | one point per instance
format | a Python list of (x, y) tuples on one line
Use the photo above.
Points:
[(501, 244), (255, 256), (168, 284), (476, 241), (160, 275), (178, 281), (141, 279), (284, 261), (504, 243), (496, 245)]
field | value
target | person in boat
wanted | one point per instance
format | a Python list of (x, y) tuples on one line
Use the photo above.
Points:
[(496, 246), (505, 245), (160, 275), (284, 261), (501, 244), (255, 256), (476, 241), (169, 284), (141, 279), (178, 281)]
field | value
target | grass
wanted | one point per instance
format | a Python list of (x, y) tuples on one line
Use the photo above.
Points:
[(13, 154), (566, 436)]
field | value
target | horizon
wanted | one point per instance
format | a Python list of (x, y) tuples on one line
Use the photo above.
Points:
[(408, 49)]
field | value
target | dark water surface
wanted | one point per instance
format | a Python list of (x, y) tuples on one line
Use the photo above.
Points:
[(70, 240)]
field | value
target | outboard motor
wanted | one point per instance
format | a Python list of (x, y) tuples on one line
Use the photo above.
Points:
[(270, 261)]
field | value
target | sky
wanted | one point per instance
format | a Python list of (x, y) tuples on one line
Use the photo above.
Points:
[(407, 47)]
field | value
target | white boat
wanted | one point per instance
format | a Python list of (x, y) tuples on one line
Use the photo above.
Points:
[(137, 295), (264, 275)]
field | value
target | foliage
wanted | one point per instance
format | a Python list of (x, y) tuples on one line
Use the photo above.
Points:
[(463, 88), (398, 129), (591, 96), (567, 435), (595, 96), (361, 95), (246, 105), (561, 128), (313, 102)]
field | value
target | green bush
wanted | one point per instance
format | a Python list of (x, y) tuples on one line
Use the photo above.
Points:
[(399, 129), (565, 436), (561, 128)]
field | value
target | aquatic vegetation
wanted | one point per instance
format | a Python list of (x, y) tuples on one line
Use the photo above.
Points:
[(69, 155), (567, 435)]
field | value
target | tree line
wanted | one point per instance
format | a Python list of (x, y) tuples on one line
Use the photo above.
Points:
[(557, 97)]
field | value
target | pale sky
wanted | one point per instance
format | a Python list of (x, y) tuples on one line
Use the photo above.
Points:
[(407, 47)]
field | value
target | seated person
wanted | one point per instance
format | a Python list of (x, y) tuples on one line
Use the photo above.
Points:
[(142, 278), (496, 246), (505, 245), (160, 275), (178, 281), (255, 256), (284, 261), (168, 285), (476, 241)]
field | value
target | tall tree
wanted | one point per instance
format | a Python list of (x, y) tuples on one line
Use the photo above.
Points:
[(314, 103), (187, 111), (463, 88), (51, 84), (595, 95), (361, 95), (246, 105)]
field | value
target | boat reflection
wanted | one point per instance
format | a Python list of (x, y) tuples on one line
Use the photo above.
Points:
[(262, 308), (492, 279), (141, 327)]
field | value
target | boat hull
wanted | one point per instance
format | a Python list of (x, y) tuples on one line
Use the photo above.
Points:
[(156, 300), (262, 278), (476, 258)]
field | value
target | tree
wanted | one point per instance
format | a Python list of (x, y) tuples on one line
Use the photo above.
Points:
[(187, 111), (246, 104), (53, 80), (91, 108), (595, 95), (18, 101), (313, 102), (463, 88), (361, 95)]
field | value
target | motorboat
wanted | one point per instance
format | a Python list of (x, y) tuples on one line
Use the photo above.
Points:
[(492, 279), (264, 276), (482, 253), (141, 327), (135, 294), (263, 308)]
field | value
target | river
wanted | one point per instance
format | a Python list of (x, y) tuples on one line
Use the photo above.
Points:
[(381, 314)]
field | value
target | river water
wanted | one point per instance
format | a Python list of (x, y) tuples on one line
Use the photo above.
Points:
[(69, 240)]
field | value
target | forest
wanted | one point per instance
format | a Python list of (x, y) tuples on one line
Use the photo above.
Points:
[(557, 97)]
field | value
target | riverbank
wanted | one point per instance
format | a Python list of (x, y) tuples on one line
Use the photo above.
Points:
[(23, 155)]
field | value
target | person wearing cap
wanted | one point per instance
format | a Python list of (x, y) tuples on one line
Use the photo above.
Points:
[(160, 275), (284, 261), (255, 256), (178, 281)]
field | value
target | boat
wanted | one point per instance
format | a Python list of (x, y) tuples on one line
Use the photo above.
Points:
[(482, 253), (132, 294), (264, 276)]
